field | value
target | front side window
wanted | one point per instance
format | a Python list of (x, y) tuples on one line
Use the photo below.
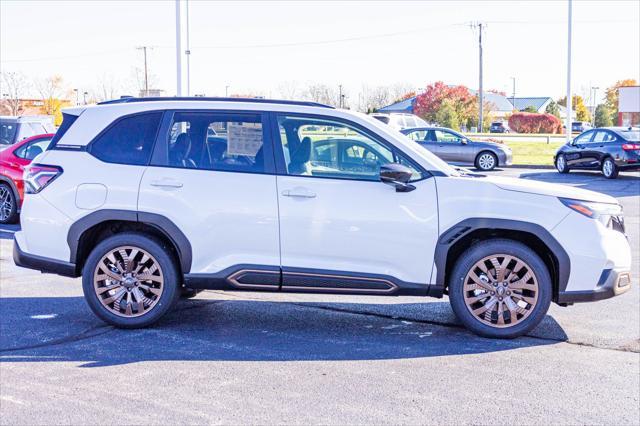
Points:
[(583, 138), (333, 149), (447, 137), (418, 135), (216, 141), (128, 141)]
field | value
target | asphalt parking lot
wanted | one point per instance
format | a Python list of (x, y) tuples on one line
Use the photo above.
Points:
[(263, 358)]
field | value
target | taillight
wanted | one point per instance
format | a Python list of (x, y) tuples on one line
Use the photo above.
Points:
[(37, 176), (631, 146)]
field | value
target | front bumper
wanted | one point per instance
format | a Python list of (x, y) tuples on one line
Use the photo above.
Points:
[(505, 158), (43, 264), (613, 282)]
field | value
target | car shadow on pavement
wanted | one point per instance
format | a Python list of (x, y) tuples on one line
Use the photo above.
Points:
[(63, 329), (625, 185), (7, 231)]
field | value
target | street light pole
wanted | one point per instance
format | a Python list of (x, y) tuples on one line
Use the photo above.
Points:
[(178, 51), (594, 103), (513, 98), (188, 52), (569, 98)]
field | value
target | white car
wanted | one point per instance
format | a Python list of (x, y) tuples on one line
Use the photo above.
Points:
[(400, 121), (148, 199)]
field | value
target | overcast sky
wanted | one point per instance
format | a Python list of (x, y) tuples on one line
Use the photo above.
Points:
[(256, 46)]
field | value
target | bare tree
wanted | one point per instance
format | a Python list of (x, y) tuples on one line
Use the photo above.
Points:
[(289, 90), (107, 87), (14, 86), (398, 91), (51, 89), (374, 98), (321, 93)]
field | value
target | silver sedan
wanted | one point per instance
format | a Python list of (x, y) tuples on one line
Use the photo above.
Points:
[(455, 148)]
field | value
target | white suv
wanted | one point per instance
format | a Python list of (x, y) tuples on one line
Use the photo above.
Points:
[(148, 199)]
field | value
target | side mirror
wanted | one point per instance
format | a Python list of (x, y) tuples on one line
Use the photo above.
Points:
[(397, 175), (464, 141)]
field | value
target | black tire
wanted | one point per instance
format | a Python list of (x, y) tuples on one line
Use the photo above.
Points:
[(10, 216), (561, 164), (482, 163), (167, 264), (478, 252), (609, 168)]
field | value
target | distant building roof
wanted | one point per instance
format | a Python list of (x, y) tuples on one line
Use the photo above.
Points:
[(405, 106), (523, 103), (500, 102)]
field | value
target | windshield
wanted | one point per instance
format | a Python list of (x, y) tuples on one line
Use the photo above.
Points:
[(8, 130)]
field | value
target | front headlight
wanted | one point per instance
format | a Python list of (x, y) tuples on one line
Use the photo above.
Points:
[(610, 215)]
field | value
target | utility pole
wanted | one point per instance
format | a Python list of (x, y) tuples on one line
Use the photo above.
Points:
[(340, 95), (188, 53), (178, 51), (480, 27), (226, 91), (513, 98), (594, 104), (146, 73), (569, 98)]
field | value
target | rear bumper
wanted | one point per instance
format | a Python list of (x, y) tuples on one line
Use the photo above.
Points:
[(42, 264), (613, 282)]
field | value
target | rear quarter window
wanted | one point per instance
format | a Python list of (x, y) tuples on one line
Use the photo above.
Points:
[(129, 140)]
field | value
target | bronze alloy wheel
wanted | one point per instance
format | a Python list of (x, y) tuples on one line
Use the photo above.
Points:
[(500, 290), (128, 281)]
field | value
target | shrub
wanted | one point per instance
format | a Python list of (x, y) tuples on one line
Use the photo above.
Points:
[(525, 122)]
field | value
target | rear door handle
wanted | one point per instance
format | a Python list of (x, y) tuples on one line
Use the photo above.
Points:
[(166, 183), (299, 192)]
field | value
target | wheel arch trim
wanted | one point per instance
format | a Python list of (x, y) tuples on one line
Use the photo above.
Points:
[(452, 235), (159, 222), (14, 189)]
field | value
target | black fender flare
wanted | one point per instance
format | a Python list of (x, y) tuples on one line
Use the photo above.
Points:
[(161, 223), (456, 232), (14, 189)]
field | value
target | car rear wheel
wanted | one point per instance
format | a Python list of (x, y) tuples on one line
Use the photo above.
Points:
[(500, 288), (561, 164), (609, 168), (8, 204), (486, 161), (130, 280)]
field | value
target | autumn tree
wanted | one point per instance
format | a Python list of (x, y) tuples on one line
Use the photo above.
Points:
[(51, 90), (553, 109), (612, 97), (602, 116), (14, 85), (428, 103), (446, 116), (581, 110)]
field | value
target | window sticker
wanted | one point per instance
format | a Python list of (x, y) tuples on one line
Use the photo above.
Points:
[(244, 138)]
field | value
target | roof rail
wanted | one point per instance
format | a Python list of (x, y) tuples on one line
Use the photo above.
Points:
[(131, 99)]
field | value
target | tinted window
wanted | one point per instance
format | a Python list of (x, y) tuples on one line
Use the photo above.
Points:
[(602, 136), (216, 141), (128, 141), (418, 135), (333, 149), (31, 150), (583, 138), (7, 132)]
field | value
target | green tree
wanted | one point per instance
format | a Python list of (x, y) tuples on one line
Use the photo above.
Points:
[(612, 97), (447, 116), (581, 110), (531, 109), (602, 116), (553, 109)]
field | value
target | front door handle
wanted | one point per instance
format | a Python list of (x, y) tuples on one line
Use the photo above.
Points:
[(166, 183), (299, 192)]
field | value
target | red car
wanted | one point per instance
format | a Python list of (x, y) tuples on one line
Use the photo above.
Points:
[(13, 159)]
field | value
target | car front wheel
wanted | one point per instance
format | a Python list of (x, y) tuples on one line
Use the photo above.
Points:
[(130, 280), (8, 204), (561, 164), (609, 168), (500, 289), (486, 161)]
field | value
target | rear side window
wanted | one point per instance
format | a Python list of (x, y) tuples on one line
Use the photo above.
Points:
[(128, 141), (67, 122)]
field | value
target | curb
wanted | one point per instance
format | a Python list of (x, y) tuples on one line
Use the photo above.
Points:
[(527, 166)]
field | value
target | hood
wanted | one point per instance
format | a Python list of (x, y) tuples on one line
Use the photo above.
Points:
[(486, 144), (550, 189)]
